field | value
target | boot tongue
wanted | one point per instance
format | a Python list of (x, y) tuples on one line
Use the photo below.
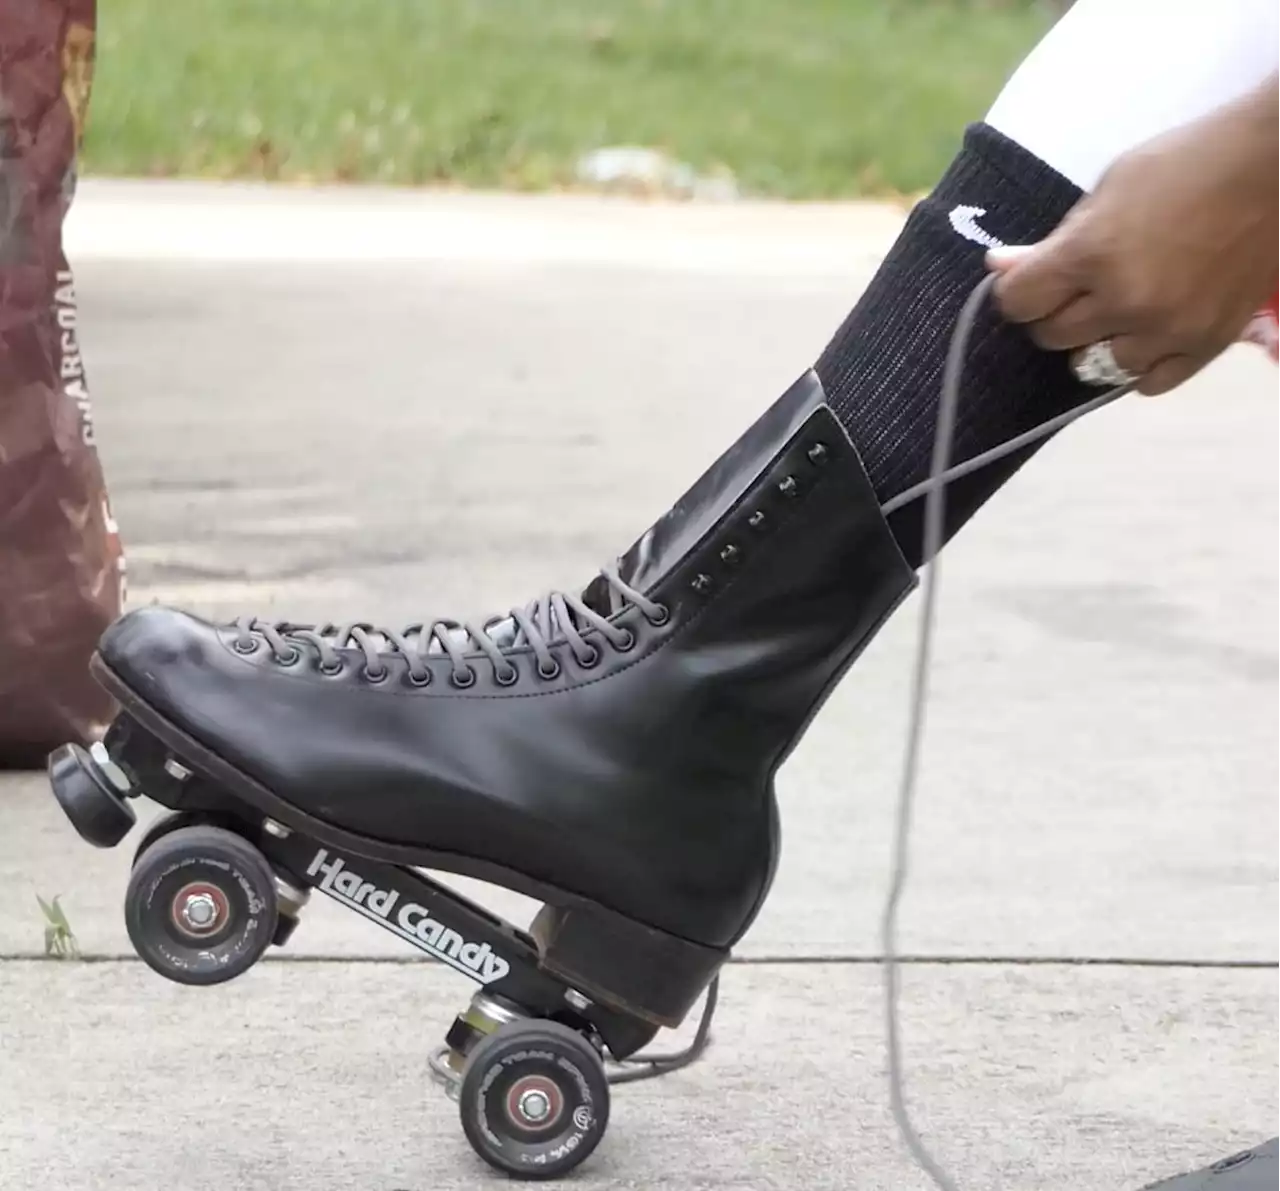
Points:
[(506, 633), (600, 597)]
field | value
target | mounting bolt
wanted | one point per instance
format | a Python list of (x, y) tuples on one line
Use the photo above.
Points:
[(756, 520), (176, 769), (730, 554), (817, 453), (575, 999), (702, 584), (279, 830), (789, 487), (113, 773)]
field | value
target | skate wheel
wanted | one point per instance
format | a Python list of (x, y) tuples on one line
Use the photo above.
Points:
[(201, 905), (173, 821), (88, 798), (534, 1099)]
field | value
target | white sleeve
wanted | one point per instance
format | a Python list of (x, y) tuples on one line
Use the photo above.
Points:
[(1114, 73)]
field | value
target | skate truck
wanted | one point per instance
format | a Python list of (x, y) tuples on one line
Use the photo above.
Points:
[(610, 752)]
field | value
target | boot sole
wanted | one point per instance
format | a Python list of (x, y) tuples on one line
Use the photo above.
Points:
[(635, 968)]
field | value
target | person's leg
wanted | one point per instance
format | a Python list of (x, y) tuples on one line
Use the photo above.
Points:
[(1150, 66), (614, 749)]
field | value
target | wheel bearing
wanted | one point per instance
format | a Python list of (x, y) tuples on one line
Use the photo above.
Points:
[(199, 910)]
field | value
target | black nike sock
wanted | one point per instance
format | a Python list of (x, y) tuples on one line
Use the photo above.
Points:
[(883, 369)]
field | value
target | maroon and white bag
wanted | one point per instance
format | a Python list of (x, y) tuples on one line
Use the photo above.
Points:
[(61, 569)]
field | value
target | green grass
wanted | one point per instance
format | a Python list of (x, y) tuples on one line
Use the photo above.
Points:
[(798, 98)]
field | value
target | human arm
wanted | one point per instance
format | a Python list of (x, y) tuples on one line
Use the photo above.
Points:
[(1169, 257)]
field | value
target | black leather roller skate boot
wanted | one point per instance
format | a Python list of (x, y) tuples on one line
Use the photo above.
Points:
[(611, 752)]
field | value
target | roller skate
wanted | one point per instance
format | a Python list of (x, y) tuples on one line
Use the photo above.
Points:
[(610, 753)]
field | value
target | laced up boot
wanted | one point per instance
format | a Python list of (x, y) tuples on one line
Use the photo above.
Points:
[(611, 752)]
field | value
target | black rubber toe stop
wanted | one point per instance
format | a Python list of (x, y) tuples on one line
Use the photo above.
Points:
[(95, 807)]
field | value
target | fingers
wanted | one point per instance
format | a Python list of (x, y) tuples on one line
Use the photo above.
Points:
[(1004, 258), (1135, 354), (1132, 356), (1050, 289), (1078, 323), (1157, 373), (1037, 282), (1169, 373)]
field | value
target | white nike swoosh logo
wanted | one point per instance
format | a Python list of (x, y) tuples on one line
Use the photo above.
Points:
[(965, 222)]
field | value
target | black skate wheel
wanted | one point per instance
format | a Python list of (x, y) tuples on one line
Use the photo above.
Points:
[(534, 1099), (172, 821), (201, 905), (88, 797)]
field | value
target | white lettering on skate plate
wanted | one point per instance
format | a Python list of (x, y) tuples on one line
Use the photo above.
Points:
[(409, 920)]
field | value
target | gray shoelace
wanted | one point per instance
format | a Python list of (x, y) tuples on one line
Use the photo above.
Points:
[(933, 490), (554, 618)]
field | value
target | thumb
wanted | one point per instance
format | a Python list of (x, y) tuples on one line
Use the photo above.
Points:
[(1007, 256), (1036, 279)]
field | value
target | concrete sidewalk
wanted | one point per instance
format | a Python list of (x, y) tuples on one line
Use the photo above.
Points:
[(320, 434)]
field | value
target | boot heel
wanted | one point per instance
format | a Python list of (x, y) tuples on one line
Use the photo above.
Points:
[(645, 972)]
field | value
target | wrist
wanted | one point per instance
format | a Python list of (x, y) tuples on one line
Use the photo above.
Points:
[(1251, 144), (1254, 138)]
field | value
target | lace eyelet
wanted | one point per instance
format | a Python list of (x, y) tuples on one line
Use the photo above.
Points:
[(374, 677), (590, 658), (292, 658), (660, 615), (549, 672), (245, 650), (331, 671), (627, 643), (463, 679), (507, 677), (418, 680)]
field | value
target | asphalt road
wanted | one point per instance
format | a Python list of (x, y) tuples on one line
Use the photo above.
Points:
[(388, 407)]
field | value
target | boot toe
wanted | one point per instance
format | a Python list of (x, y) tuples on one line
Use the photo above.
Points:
[(154, 650)]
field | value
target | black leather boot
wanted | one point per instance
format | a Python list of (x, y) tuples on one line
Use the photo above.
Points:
[(611, 752)]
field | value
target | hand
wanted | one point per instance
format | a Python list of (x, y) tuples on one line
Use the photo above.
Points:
[(1169, 258)]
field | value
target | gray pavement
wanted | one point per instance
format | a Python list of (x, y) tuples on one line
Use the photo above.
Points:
[(452, 433)]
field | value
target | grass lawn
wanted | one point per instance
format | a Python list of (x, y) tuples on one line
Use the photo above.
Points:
[(798, 98)]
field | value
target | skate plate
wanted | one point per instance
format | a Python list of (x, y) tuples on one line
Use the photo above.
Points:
[(640, 971), (216, 883)]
